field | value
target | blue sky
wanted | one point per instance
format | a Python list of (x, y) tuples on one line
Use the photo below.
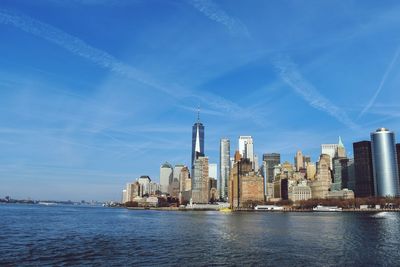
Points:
[(94, 94)]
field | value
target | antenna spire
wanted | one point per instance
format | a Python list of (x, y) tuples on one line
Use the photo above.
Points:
[(198, 113)]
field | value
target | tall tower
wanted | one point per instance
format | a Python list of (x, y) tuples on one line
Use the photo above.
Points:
[(341, 151), (384, 161), (225, 168), (298, 160), (363, 171), (246, 148), (197, 139)]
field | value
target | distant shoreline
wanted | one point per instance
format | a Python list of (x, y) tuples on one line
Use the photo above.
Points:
[(262, 211)]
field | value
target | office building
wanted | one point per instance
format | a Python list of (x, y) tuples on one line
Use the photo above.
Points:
[(384, 162), (322, 184), (271, 160), (298, 160), (246, 148), (363, 170), (166, 177), (225, 167), (200, 181), (246, 186)]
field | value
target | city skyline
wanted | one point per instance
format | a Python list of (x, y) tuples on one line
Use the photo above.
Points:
[(124, 98)]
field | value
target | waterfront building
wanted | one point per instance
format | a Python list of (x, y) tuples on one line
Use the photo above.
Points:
[(154, 189), (298, 160), (197, 140), (398, 159), (300, 191), (271, 160), (311, 171), (200, 182), (281, 188), (132, 191), (320, 187), (384, 162), (246, 186), (341, 194), (144, 182), (363, 169), (124, 196), (339, 173), (166, 177), (185, 185), (225, 167), (349, 181)]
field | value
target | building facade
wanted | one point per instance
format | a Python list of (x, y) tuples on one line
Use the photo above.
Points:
[(384, 162), (225, 167), (363, 169), (200, 181), (166, 177)]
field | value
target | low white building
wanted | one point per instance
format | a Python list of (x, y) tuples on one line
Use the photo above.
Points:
[(299, 192)]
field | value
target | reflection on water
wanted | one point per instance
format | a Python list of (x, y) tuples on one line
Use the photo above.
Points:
[(57, 235)]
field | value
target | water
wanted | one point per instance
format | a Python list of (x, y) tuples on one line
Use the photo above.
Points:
[(67, 235)]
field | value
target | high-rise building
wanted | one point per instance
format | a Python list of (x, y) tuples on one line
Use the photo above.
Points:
[(200, 181), (298, 160), (384, 161), (197, 140), (349, 178), (246, 148), (144, 182), (341, 150), (363, 170), (225, 167), (320, 187), (398, 158), (245, 185), (271, 160), (166, 177), (212, 171), (329, 149)]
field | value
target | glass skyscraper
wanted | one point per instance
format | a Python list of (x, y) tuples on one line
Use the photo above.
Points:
[(197, 140), (384, 160), (364, 177)]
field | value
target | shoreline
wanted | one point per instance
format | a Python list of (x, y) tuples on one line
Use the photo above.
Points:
[(262, 211)]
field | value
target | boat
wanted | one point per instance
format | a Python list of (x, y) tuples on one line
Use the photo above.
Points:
[(326, 208), (268, 207)]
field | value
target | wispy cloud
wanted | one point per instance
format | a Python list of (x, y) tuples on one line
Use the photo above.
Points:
[(290, 74), (382, 83), (80, 48), (212, 11)]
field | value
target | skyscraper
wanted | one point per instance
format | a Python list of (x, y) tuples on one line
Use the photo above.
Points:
[(331, 150), (398, 158), (363, 170), (271, 160), (166, 176), (200, 181), (384, 161), (225, 167), (298, 160), (246, 147), (197, 139)]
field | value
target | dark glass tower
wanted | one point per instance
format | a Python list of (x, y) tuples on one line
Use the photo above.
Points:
[(197, 140), (271, 160), (364, 182)]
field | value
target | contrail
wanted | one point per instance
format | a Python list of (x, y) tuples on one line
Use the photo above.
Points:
[(215, 13), (107, 61), (292, 77), (78, 47), (381, 84)]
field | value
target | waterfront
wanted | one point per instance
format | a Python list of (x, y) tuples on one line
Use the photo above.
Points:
[(72, 235)]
